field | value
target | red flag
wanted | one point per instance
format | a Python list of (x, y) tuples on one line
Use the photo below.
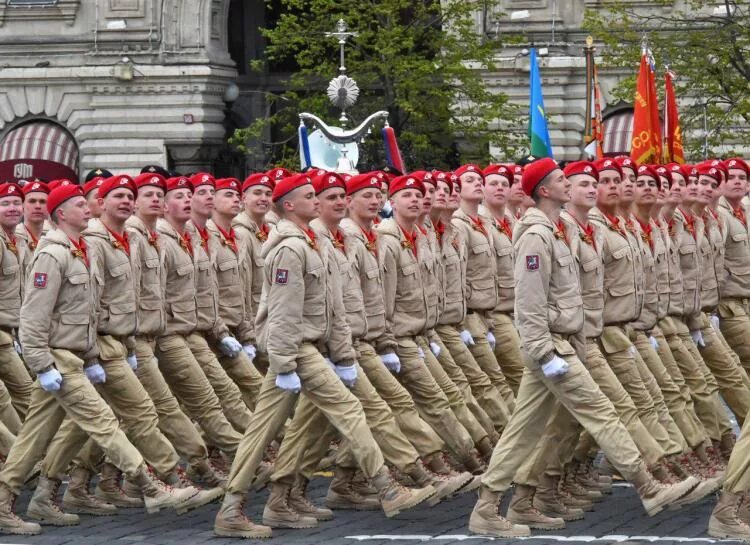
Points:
[(673, 152), (646, 144), (594, 130)]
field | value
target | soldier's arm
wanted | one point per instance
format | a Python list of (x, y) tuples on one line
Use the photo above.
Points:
[(285, 303), (532, 273), (340, 340), (246, 329), (390, 282)]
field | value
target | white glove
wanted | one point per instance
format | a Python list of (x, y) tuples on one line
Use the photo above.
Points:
[(391, 362), (491, 339), (347, 374), (467, 338), (435, 349), (95, 374), (289, 382), (697, 336), (654, 342), (556, 367), (421, 352), (714, 319), (51, 380), (250, 351), (632, 351), (230, 346), (18, 348), (132, 362)]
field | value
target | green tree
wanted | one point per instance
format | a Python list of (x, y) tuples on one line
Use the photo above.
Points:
[(421, 61), (707, 46)]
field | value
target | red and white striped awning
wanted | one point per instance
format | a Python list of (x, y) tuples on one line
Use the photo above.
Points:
[(39, 149), (618, 132)]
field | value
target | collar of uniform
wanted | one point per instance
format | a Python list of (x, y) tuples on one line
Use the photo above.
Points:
[(321, 231), (96, 229), (243, 219), (534, 216), (165, 228), (351, 229), (56, 236), (389, 227), (135, 223)]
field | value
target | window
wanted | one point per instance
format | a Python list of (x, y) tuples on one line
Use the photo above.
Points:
[(31, 3)]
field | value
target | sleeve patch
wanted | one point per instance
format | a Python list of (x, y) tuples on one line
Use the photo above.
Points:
[(40, 280), (532, 262), (282, 276)]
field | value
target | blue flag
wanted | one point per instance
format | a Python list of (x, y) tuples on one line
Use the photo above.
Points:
[(539, 145)]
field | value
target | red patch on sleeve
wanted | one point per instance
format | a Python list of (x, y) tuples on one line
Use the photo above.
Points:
[(532, 262), (282, 276), (40, 280)]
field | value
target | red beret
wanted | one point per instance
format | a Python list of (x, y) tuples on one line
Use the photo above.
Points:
[(92, 184), (151, 178), (30, 187), (737, 163), (202, 178), (179, 182), (707, 169), (517, 169), (405, 182), (425, 177), (463, 169), (626, 162), (327, 180), (535, 172), (259, 178), (117, 182), (362, 181), (278, 173), (62, 193), (662, 170), (607, 163), (228, 183), (502, 170), (648, 170), (581, 167), (11, 189), (54, 184), (289, 184)]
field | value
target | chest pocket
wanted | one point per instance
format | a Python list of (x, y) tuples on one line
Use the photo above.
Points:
[(315, 290), (119, 270)]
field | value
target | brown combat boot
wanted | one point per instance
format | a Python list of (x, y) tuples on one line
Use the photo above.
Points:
[(108, 488), (485, 449), (156, 494), (278, 514), (725, 520), (263, 475), (438, 464), (231, 521), (395, 498), (444, 485), (656, 496), (204, 473), (522, 511), (299, 501), (78, 499), (10, 523), (726, 446), (577, 489), (177, 479), (548, 500), (485, 519), (341, 495), (569, 499), (43, 505)]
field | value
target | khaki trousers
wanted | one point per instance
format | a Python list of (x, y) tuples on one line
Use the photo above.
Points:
[(734, 322), (78, 399), (189, 384), (9, 416), (173, 422), (422, 437), (483, 390), (485, 357), (6, 440), (326, 391), (14, 374), (737, 476), (244, 374), (308, 424), (538, 395), (430, 400), (131, 404), (235, 409), (508, 349)]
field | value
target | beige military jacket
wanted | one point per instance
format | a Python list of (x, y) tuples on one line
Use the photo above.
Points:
[(618, 256), (548, 293), (150, 280), (348, 282), (403, 282), (253, 238), (432, 273), (12, 255), (661, 241), (26, 239), (735, 282), (480, 273), (502, 241), (232, 278), (649, 315), (633, 232), (711, 252), (179, 292), (674, 231), (687, 246), (363, 257), (300, 301), (60, 305), (454, 282), (116, 273)]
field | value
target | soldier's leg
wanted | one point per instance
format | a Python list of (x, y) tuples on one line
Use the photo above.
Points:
[(190, 385), (14, 374), (735, 326), (485, 357), (226, 390), (419, 433), (8, 414), (69, 440), (484, 392), (242, 371), (508, 349), (737, 476)]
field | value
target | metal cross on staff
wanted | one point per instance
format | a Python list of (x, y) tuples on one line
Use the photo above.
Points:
[(342, 34)]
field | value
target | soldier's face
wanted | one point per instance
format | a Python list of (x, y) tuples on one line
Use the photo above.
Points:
[(627, 188), (11, 209), (496, 190), (558, 187), (407, 204), (93, 201), (150, 201), (736, 185), (365, 203), (707, 187), (257, 200), (645, 190), (583, 190), (304, 203), (517, 196), (227, 202), (383, 194), (177, 205), (118, 204), (661, 195), (332, 205), (472, 189), (203, 201), (74, 212), (691, 190), (429, 196), (608, 191), (442, 195), (676, 190), (455, 198), (35, 207)]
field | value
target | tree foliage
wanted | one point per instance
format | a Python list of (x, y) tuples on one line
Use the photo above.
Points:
[(707, 46), (418, 60)]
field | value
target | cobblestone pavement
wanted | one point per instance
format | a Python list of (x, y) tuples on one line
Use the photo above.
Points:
[(619, 518)]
